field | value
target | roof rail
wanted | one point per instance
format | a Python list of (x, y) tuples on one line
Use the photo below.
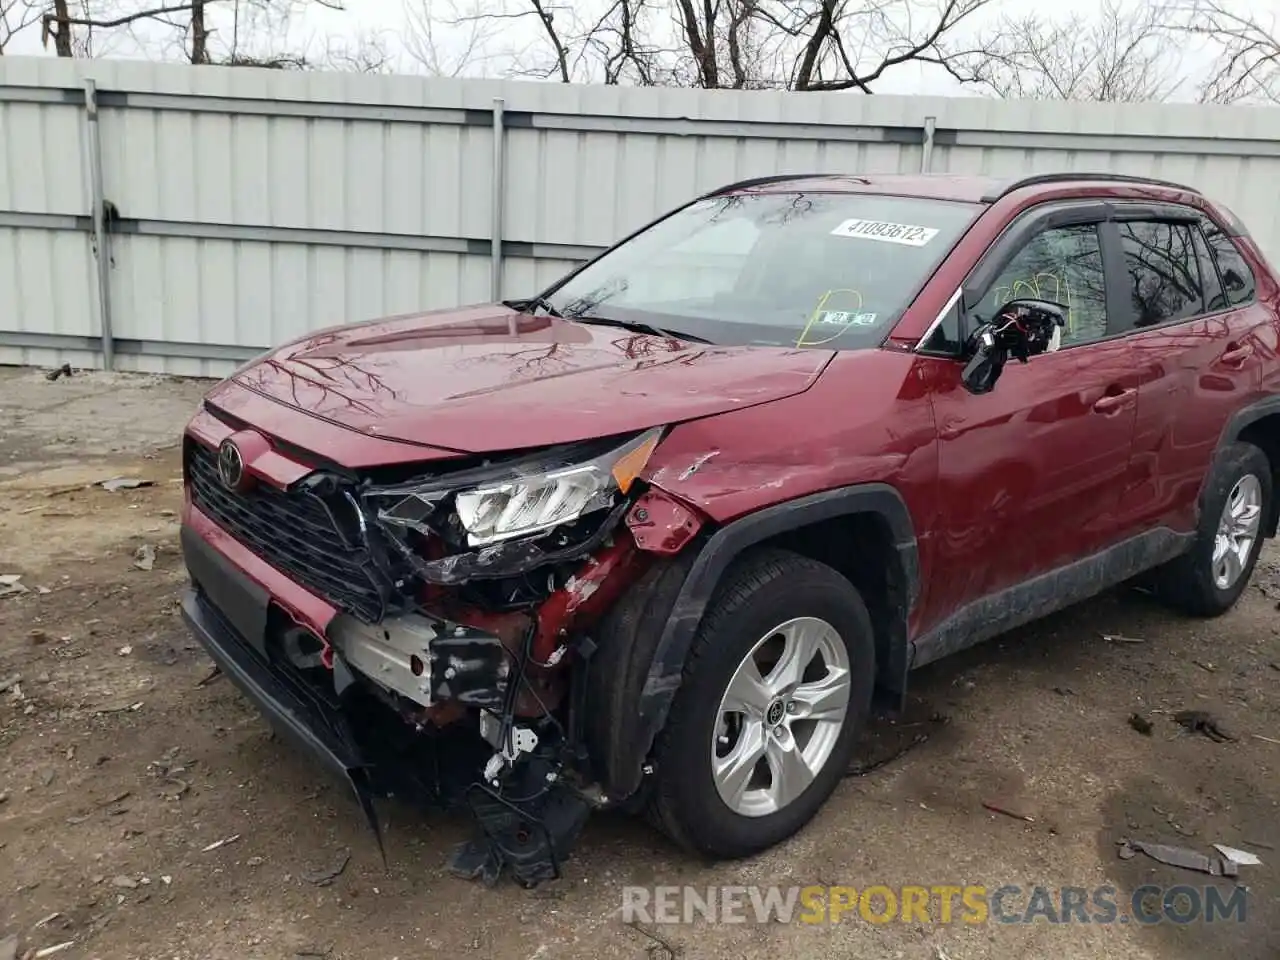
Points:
[(765, 181), (1036, 179)]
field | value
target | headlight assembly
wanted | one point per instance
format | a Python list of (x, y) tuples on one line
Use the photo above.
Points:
[(530, 498), (526, 505)]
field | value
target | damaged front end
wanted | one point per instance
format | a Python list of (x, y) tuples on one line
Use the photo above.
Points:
[(493, 576)]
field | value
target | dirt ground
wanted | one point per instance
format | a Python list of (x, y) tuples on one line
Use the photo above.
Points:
[(118, 768)]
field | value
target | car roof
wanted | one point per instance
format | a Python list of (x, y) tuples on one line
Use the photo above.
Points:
[(938, 186)]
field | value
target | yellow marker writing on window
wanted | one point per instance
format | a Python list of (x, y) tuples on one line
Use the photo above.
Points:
[(804, 341)]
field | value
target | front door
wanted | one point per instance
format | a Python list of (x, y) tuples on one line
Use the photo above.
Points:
[(1031, 474)]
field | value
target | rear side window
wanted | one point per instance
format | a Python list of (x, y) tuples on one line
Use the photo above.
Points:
[(1237, 279), (1164, 282)]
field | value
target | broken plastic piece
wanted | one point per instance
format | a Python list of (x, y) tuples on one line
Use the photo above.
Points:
[(1179, 857), (1240, 857)]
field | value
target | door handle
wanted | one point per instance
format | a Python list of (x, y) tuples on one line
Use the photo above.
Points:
[(1110, 402), (1236, 355)]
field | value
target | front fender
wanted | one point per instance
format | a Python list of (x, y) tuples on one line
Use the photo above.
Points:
[(699, 571)]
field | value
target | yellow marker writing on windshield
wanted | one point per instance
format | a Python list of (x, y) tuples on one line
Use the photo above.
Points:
[(802, 340)]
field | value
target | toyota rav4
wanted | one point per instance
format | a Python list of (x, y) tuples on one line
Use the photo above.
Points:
[(656, 536)]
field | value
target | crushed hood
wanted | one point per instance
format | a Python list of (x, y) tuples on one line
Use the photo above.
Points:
[(489, 378)]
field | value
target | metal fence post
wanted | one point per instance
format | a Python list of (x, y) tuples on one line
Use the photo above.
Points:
[(499, 198), (100, 239), (926, 153)]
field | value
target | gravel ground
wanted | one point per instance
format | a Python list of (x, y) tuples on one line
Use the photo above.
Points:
[(119, 769)]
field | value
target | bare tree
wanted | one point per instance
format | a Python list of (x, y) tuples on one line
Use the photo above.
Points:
[(1247, 44), (16, 16), (1121, 54), (736, 44), (206, 31)]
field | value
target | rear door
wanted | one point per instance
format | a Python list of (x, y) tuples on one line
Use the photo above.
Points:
[(1194, 322)]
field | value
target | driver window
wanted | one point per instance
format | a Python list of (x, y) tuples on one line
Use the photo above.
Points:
[(1063, 265)]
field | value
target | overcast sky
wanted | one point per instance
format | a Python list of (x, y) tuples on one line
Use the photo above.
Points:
[(397, 25)]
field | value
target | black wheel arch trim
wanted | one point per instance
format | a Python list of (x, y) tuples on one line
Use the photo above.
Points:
[(1239, 422), (714, 557)]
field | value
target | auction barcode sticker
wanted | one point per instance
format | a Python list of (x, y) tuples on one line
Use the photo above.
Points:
[(885, 232)]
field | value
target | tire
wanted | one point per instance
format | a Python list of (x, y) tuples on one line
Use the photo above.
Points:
[(1192, 583), (764, 591)]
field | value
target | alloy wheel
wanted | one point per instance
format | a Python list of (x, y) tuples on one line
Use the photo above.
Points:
[(780, 717), (1238, 529)]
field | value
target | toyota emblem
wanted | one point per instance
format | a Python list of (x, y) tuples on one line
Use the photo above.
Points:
[(230, 465)]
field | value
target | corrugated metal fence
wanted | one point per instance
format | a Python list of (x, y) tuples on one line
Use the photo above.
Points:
[(243, 207)]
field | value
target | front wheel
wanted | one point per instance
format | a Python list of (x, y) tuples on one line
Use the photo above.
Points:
[(1208, 579), (776, 686)]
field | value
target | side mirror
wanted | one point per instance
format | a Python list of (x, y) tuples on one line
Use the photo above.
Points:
[(1021, 328)]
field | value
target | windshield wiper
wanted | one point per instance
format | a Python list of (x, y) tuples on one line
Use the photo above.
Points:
[(639, 327), (532, 303)]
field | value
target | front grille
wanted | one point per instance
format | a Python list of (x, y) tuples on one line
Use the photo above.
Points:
[(293, 532)]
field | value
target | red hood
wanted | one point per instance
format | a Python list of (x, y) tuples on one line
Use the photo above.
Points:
[(488, 378)]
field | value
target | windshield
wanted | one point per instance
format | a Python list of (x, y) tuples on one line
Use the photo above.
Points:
[(777, 269)]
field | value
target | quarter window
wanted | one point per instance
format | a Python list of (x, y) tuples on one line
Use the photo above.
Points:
[(1064, 265), (1163, 271), (1237, 279)]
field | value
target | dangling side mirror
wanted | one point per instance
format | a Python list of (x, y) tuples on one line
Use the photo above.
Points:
[(1021, 328)]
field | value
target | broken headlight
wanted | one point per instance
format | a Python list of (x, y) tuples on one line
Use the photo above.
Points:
[(527, 498), (523, 505)]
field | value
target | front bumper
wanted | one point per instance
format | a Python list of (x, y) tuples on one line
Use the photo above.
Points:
[(228, 613), (287, 712)]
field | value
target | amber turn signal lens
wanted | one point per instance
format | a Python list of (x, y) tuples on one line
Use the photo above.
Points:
[(631, 464)]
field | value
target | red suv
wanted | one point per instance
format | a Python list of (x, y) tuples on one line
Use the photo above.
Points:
[(655, 536)]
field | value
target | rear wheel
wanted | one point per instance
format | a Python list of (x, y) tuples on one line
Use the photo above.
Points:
[(1208, 579), (775, 688)]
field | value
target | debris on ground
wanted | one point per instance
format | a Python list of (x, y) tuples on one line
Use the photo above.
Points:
[(213, 675), (56, 948), (144, 558), (326, 876), (1004, 810), (1140, 724), (1183, 857), (888, 736), (115, 484), (49, 919), (221, 843), (10, 585), (1064, 691), (1116, 638), (1205, 666), (1258, 736), (10, 681), (1242, 858), (62, 371), (1202, 721), (658, 948), (125, 650), (124, 883)]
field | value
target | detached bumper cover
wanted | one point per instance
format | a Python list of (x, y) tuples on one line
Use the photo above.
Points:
[(287, 712)]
